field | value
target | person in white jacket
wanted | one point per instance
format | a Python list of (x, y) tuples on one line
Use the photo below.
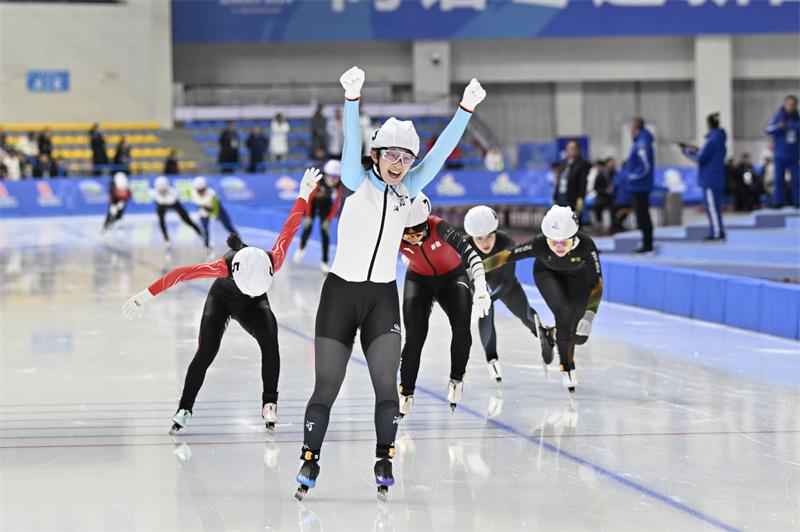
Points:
[(360, 292), (279, 138)]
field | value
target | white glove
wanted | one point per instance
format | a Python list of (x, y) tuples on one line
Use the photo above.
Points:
[(585, 325), (473, 95), (309, 181), (481, 301), (134, 307), (352, 81)]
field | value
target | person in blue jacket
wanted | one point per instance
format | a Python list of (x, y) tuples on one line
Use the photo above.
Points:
[(639, 168), (784, 128), (711, 173)]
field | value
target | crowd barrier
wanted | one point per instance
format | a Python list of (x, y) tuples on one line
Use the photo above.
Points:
[(89, 195)]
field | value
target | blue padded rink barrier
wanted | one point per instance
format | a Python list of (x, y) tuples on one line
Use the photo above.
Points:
[(677, 424)]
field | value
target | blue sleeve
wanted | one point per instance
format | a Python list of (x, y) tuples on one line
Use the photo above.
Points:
[(772, 125), (424, 173), (707, 152), (691, 154), (352, 171), (635, 165)]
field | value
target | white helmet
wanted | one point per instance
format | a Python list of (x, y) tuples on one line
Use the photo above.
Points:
[(420, 210), (396, 133), (121, 181), (252, 271), (333, 167), (480, 221), (560, 223), (161, 183)]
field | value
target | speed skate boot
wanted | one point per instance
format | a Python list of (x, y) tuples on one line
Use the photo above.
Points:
[(298, 256), (180, 420), (547, 337), (270, 416), (406, 402), (309, 471), (494, 370), (455, 389), (383, 478), (569, 379)]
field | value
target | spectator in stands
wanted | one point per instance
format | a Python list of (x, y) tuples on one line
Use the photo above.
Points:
[(319, 134), (570, 186), (60, 167), (29, 147), (256, 144), (603, 187), (639, 170), (228, 149), (335, 135), (620, 195), (746, 185), (45, 167), (768, 175), (11, 159), (45, 142), (493, 161), (711, 173), (122, 157), (171, 164), (3, 140), (784, 127), (279, 138), (98, 144)]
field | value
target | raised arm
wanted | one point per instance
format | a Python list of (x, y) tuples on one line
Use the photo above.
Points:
[(308, 184), (352, 172), (424, 173), (523, 251)]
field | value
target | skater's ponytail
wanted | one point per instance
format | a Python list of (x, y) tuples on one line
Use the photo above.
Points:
[(235, 242)]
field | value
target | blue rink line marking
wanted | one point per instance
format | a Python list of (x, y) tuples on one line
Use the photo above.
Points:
[(509, 429)]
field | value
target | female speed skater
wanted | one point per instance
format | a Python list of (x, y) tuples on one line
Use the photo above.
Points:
[(323, 203), (435, 251), (481, 223), (568, 275), (360, 292), (119, 196), (210, 205), (166, 199), (243, 276)]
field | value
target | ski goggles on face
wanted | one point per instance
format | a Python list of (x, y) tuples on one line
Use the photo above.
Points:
[(417, 231), (397, 156), (560, 243)]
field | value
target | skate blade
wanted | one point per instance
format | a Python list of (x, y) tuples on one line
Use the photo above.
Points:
[(300, 493), (270, 427), (453, 408), (571, 389), (383, 493), (175, 429)]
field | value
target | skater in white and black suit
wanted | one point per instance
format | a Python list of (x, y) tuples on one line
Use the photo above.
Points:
[(166, 199), (361, 291)]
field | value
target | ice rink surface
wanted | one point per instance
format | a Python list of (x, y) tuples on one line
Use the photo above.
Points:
[(677, 425)]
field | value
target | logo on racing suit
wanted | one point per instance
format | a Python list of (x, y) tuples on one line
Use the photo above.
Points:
[(395, 328), (310, 425)]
